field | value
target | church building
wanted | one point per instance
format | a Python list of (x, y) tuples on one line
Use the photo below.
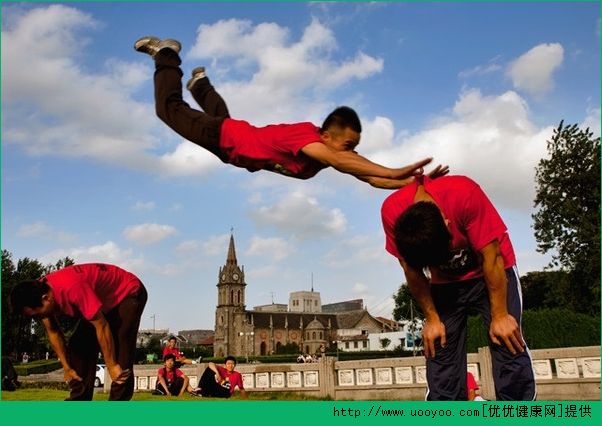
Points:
[(263, 330)]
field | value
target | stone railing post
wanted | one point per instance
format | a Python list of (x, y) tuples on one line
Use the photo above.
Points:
[(327, 379), (487, 385)]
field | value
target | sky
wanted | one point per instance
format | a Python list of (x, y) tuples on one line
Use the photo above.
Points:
[(89, 171)]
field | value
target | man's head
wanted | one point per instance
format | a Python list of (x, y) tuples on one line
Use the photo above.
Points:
[(169, 360), (341, 130), (230, 363), (171, 342), (33, 298), (421, 236)]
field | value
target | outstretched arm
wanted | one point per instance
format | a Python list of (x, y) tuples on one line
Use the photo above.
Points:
[(57, 341), (385, 183), (433, 328), (354, 164)]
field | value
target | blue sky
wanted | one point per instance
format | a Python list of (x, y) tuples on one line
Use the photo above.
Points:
[(89, 172)]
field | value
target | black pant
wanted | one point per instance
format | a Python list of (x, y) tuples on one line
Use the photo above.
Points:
[(202, 128), (446, 372), (83, 348), (174, 387), (209, 387)]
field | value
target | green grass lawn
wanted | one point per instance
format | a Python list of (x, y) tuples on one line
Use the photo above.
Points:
[(33, 394)]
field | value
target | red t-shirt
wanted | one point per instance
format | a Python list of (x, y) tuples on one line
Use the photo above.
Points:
[(84, 290), (175, 351), (169, 377), (275, 148), (235, 378), (473, 223), (471, 383)]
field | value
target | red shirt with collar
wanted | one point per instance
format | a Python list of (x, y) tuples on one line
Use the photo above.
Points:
[(235, 378), (473, 223), (276, 147)]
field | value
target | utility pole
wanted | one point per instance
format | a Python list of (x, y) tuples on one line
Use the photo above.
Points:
[(153, 317)]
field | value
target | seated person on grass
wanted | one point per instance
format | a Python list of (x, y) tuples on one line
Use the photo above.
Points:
[(220, 382), (172, 381)]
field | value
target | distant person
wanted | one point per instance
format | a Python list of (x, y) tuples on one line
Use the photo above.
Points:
[(9, 375), (220, 382), (472, 387), (25, 358), (171, 348), (109, 301), (449, 227), (172, 381), (297, 150)]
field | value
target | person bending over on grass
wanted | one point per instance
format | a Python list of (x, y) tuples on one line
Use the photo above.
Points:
[(297, 150), (109, 302)]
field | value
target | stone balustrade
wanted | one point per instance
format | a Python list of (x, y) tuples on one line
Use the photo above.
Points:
[(561, 374)]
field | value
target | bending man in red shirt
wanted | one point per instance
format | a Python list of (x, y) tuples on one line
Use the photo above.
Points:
[(449, 226), (110, 301), (220, 382), (298, 150)]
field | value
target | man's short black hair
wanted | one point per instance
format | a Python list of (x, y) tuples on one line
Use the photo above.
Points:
[(342, 117), (172, 338), (28, 294), (421, 236), (169, 356), (230, 358)]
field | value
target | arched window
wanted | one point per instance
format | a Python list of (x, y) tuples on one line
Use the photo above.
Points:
[(238, 297), (231, 297), (313, 335)]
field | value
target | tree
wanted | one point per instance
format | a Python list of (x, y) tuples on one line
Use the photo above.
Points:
[(384, 342), (405, 308), (546, 289), (21, 334), (567, 220)]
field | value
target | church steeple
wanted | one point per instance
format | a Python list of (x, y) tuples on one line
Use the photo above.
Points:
[(231, 273), (231, 259)]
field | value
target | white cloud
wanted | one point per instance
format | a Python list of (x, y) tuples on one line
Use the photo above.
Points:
[(53, 105), (148, 233), (359, 250), (188, 159), (483, 137), (188, 246), (532, 71), (216, 245), (108, 252), (287, 76), (144, 206), (301, 215), (43, 230), (275, 249), (592, 121), (479, 70)]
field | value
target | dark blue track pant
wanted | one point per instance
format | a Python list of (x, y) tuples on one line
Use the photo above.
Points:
[(446, 372)]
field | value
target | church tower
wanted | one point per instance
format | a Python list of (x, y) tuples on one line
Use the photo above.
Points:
[(230, 311)]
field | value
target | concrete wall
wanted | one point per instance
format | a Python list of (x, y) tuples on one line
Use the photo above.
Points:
[(561, 374)]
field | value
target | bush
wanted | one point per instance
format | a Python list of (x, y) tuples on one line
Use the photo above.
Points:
[(37, 367), (545, 328)]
